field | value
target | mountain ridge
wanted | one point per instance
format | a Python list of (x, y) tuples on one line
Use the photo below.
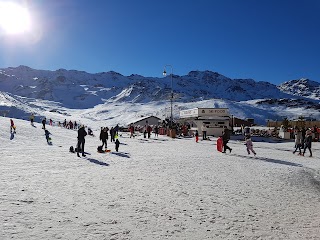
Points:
[(91, 89), (73, 89)]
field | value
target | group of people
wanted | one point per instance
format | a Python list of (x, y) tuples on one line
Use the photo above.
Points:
[(114, 137), (82, 133), (65, 123), (147, 130), (302, 140), (68, 124), (303, 137), (104, 136)]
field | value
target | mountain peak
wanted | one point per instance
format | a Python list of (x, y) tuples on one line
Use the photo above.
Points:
[(196, 73), (302, 87)]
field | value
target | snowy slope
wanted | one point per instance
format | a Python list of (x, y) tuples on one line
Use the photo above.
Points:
[(153, 189), (302, 87), (112, 113)]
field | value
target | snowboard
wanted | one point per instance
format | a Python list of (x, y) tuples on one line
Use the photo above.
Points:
[(219, 144)]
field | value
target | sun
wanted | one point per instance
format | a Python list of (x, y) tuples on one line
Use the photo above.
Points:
[(14, 18)]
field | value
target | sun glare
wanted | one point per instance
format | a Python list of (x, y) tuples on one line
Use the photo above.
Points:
[(14, 18)]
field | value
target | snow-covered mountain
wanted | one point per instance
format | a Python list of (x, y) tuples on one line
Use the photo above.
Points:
[(78, 89), (302, 87), (111, 96)]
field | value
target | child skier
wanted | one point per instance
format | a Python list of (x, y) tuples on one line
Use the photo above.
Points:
[(197, 135), (47, 133), (249, 145), (117, 144)]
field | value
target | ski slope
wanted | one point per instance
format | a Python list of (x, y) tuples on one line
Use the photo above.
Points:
[(157, 188)]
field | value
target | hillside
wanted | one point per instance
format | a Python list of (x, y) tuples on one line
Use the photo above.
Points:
[(302, 87), (114, 98), (78, 89)]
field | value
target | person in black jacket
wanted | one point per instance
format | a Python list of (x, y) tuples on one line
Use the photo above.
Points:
[(81, 141), (104, 137), (226, 138), (117, 143), (44, 121), (307, 144)]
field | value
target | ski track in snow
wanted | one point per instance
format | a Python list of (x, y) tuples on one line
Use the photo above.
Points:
[(153, 189)]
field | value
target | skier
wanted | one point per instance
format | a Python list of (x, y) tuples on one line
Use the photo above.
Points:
[(104, 137), (81, 141), (249, 144)]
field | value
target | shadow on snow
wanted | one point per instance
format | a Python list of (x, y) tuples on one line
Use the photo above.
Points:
[(97, 162), (121, 154), (272, 160)]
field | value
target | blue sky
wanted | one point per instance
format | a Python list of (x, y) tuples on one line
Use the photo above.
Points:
[(266, 40)]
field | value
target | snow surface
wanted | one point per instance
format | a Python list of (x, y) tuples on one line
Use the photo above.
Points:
[(112, 113), (158, 188)]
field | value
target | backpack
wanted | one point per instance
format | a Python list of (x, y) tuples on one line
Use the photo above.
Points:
[(99, 148), (77, 150), (71, 149)]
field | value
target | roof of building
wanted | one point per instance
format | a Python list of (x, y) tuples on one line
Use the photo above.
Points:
[(142, 118)]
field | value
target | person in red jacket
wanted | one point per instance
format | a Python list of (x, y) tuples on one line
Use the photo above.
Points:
[(197, 135)]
